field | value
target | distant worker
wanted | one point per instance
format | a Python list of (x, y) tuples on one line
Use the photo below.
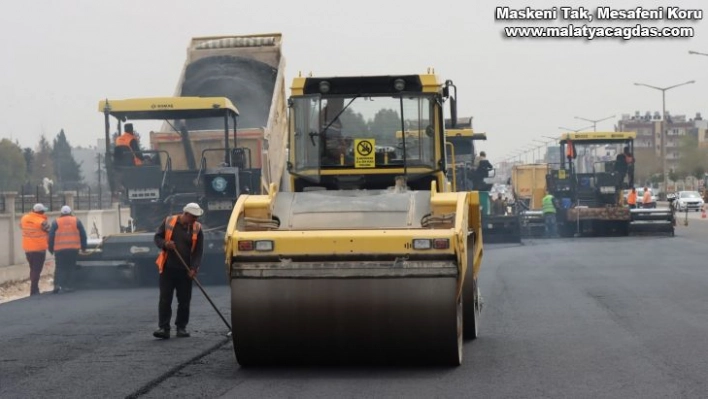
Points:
[(624, 166), (178, 234), (127, 150), (482, 168), (646, 198), (632, 198), (630, 161), (549, 215), (67, 237), (499, 206), (35, 241)]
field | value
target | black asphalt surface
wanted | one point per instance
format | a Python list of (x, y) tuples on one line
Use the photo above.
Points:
[(623, 317)]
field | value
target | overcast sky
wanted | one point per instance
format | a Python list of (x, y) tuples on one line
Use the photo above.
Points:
[(61, 57)]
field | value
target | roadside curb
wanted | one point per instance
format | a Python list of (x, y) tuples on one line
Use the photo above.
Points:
[(20, 273)]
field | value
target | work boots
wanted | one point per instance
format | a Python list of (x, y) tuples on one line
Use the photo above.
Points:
[(182, 333), (162, 333)]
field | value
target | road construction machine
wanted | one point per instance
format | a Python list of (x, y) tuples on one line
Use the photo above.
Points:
[(207, 151), (528, 185), (154, 189), (497, 227), (590, 187), (368, 256)]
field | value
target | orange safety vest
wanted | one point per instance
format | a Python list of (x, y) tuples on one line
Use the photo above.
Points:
[(647, 197), (35, 237), (124, 141), (67, 235), (632, 198), (569, 151), (170, 223)]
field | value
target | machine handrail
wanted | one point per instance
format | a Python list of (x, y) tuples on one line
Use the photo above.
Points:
[(232, 152)]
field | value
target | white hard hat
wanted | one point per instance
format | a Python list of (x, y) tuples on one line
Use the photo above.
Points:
[(193, 209), (39, 208), (65, 210)]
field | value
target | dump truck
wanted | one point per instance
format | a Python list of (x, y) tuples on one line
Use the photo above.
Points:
[(528, 184), (367, 256), (460, 140), (589, 188), (249, 70), (207, 150)]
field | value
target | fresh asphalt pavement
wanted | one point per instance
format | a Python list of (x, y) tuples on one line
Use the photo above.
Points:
[(622, 317)]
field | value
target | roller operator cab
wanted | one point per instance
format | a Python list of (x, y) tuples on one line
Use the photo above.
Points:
[(370, 256)]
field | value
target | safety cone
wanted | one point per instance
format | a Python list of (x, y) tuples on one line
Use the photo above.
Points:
[(703, 212)]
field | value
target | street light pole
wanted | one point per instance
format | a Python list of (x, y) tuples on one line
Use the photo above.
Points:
[(664, 131), (573, 130), (544, 145), (594, 121)]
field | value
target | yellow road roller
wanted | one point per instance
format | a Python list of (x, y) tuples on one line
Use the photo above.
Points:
[(364, 254)]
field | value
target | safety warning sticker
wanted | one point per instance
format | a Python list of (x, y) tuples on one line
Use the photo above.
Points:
[(364, 156)]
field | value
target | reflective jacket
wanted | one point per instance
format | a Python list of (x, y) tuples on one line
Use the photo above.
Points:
[(632, 198), (124, 140), (646, 199), (170, 223), (548, 206), (66, 234), (35, 236)]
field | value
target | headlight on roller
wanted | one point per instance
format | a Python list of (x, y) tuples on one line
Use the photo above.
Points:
[(264, 246), (422, 243)]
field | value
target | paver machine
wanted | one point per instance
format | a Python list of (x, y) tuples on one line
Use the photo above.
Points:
[(590, 188), (368, 256), (153, 190), (496, 228), (199, 153)]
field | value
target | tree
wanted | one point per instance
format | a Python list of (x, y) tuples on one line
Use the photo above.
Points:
[(43, 165), (647, 166), (693, 160), (66, 169), (28, 153), (353, 124), (13, 168), (384, 126)]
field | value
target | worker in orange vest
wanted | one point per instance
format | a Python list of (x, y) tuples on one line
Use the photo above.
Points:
[(127, 151), (632, 198), (66, 237), (646, 198), (35, 229), (178, 234)]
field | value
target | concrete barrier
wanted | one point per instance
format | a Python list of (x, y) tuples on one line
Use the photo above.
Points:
[(98, 223)]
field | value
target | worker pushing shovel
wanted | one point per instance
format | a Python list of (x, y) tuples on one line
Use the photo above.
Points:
[(179, 237)]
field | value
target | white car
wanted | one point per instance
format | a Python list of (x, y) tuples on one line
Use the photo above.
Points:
[(688, 200)]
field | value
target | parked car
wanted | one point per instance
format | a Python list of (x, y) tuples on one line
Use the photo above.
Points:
[(688, 200)]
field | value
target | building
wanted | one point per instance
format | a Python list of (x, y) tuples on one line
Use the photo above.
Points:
[(700, 131), (648, 129), (553, 155)]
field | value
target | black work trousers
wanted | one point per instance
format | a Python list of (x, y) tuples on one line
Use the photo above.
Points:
[(171, 280), (64, 272), (36, 264)]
